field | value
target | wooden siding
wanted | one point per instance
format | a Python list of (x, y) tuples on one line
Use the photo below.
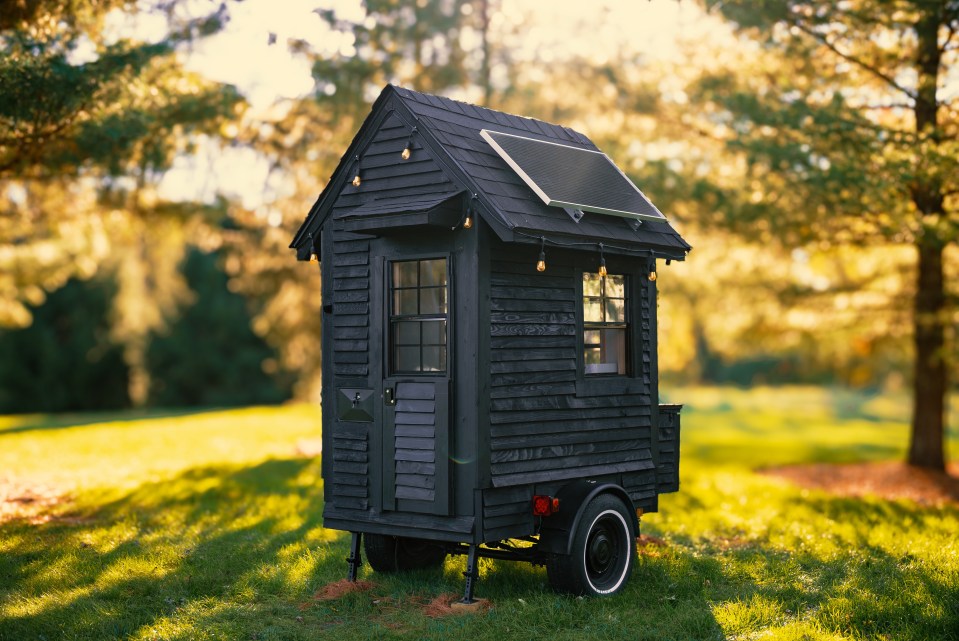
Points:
[(351, 465), (667, 470), (384, 174), (541, 429)]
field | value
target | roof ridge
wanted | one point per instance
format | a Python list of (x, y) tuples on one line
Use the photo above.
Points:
[(581, 137)]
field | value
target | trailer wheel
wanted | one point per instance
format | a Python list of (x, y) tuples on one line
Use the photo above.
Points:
[(601, 558), (393, 553)]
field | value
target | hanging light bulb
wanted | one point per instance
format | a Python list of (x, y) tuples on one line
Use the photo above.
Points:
[(408, 149), (652, 276), (313, 257), (602, 262), (356, 179), (467, 222), (541, 263)]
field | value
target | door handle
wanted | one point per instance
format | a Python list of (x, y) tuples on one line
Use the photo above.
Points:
[(388, 397)]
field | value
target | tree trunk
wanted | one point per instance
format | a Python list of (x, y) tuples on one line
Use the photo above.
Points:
[(929, 381)]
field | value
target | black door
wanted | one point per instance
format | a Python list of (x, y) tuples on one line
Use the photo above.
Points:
[(416, 325)]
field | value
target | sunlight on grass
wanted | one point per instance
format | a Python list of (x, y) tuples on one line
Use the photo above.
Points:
[(208, 526)]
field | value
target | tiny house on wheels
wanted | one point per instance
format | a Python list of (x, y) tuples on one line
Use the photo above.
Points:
[(490, 383)]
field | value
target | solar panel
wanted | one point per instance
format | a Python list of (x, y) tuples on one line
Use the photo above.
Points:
[(572, 177)]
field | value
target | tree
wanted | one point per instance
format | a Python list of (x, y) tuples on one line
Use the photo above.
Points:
[(209, 355), (65, 360), (845, 128), (89, 123)]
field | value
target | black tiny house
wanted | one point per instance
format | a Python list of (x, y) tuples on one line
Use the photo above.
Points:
[(490, 380)]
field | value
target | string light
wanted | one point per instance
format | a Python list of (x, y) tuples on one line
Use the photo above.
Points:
[(313, 257), (356, 179), (541, 263), (602, 262), (408, 149)]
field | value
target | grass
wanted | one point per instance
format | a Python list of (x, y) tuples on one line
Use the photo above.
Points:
[(208, 526)]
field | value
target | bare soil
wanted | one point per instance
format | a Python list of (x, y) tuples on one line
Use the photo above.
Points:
[(30, 501), (887, 480)]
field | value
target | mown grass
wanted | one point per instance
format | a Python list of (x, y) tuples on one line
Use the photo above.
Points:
[(208, 526)]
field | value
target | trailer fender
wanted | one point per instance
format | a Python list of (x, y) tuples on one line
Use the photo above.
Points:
[(556, 532)]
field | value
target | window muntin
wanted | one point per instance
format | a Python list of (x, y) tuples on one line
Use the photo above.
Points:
[(419, 315), (605, 325)]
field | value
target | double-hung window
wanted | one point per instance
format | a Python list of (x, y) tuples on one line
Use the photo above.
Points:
[(605, 325), (419, 315)]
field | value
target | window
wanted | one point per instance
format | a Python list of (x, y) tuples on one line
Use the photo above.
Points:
[(605, 324), (418, 316)]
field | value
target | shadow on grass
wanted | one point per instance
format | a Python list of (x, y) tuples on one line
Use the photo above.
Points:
[(207, 537), (41, 422), (237, 552)]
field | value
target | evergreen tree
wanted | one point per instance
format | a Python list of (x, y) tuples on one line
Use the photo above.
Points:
[(209, 356), (66, 360)]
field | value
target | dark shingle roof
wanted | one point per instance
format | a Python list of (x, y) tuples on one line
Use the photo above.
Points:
[(514, 211)]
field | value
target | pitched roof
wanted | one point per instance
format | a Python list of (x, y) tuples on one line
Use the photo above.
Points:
[(451, 131)]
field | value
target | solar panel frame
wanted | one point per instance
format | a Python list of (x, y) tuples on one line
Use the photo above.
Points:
[(602, 172)]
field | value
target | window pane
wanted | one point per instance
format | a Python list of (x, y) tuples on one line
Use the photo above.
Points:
[(591, 357), (404, 274), (434, 332), (615, 286), (433, 300), (406, 333), (615, 310), (433, 272), (434, 359), (404, 302), (406, 359), (616, 349), (592, 310), (591, 337), (591, 284)]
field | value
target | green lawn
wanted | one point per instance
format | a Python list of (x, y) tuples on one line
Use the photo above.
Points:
[(208, 526)]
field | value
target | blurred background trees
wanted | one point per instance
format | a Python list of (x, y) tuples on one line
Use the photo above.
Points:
[(151, 178)]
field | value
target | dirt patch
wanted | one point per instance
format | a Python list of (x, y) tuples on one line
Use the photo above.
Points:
[(443, 606), (888, 480), (340, 588), (21, 500)]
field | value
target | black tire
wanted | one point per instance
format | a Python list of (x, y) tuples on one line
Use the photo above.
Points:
[(398, 554), (601, 558)]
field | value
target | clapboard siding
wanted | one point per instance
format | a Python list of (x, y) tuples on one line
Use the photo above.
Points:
[(507, 512), (351, 308), (350, 487), (667, 478), (541, 427)]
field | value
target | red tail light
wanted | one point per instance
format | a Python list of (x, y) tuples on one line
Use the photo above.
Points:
[(545, 505)]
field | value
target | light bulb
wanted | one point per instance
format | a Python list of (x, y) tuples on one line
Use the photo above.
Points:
[(314, 258), (467, 223), (405, 154), (652, 276), (356, 180)]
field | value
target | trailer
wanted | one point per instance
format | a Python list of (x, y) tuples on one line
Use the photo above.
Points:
[(489, 376)]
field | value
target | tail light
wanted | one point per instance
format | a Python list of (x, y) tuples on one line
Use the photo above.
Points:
[(545, 505)]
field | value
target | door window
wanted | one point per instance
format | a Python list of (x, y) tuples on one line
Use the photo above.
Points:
[(419, 314)]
